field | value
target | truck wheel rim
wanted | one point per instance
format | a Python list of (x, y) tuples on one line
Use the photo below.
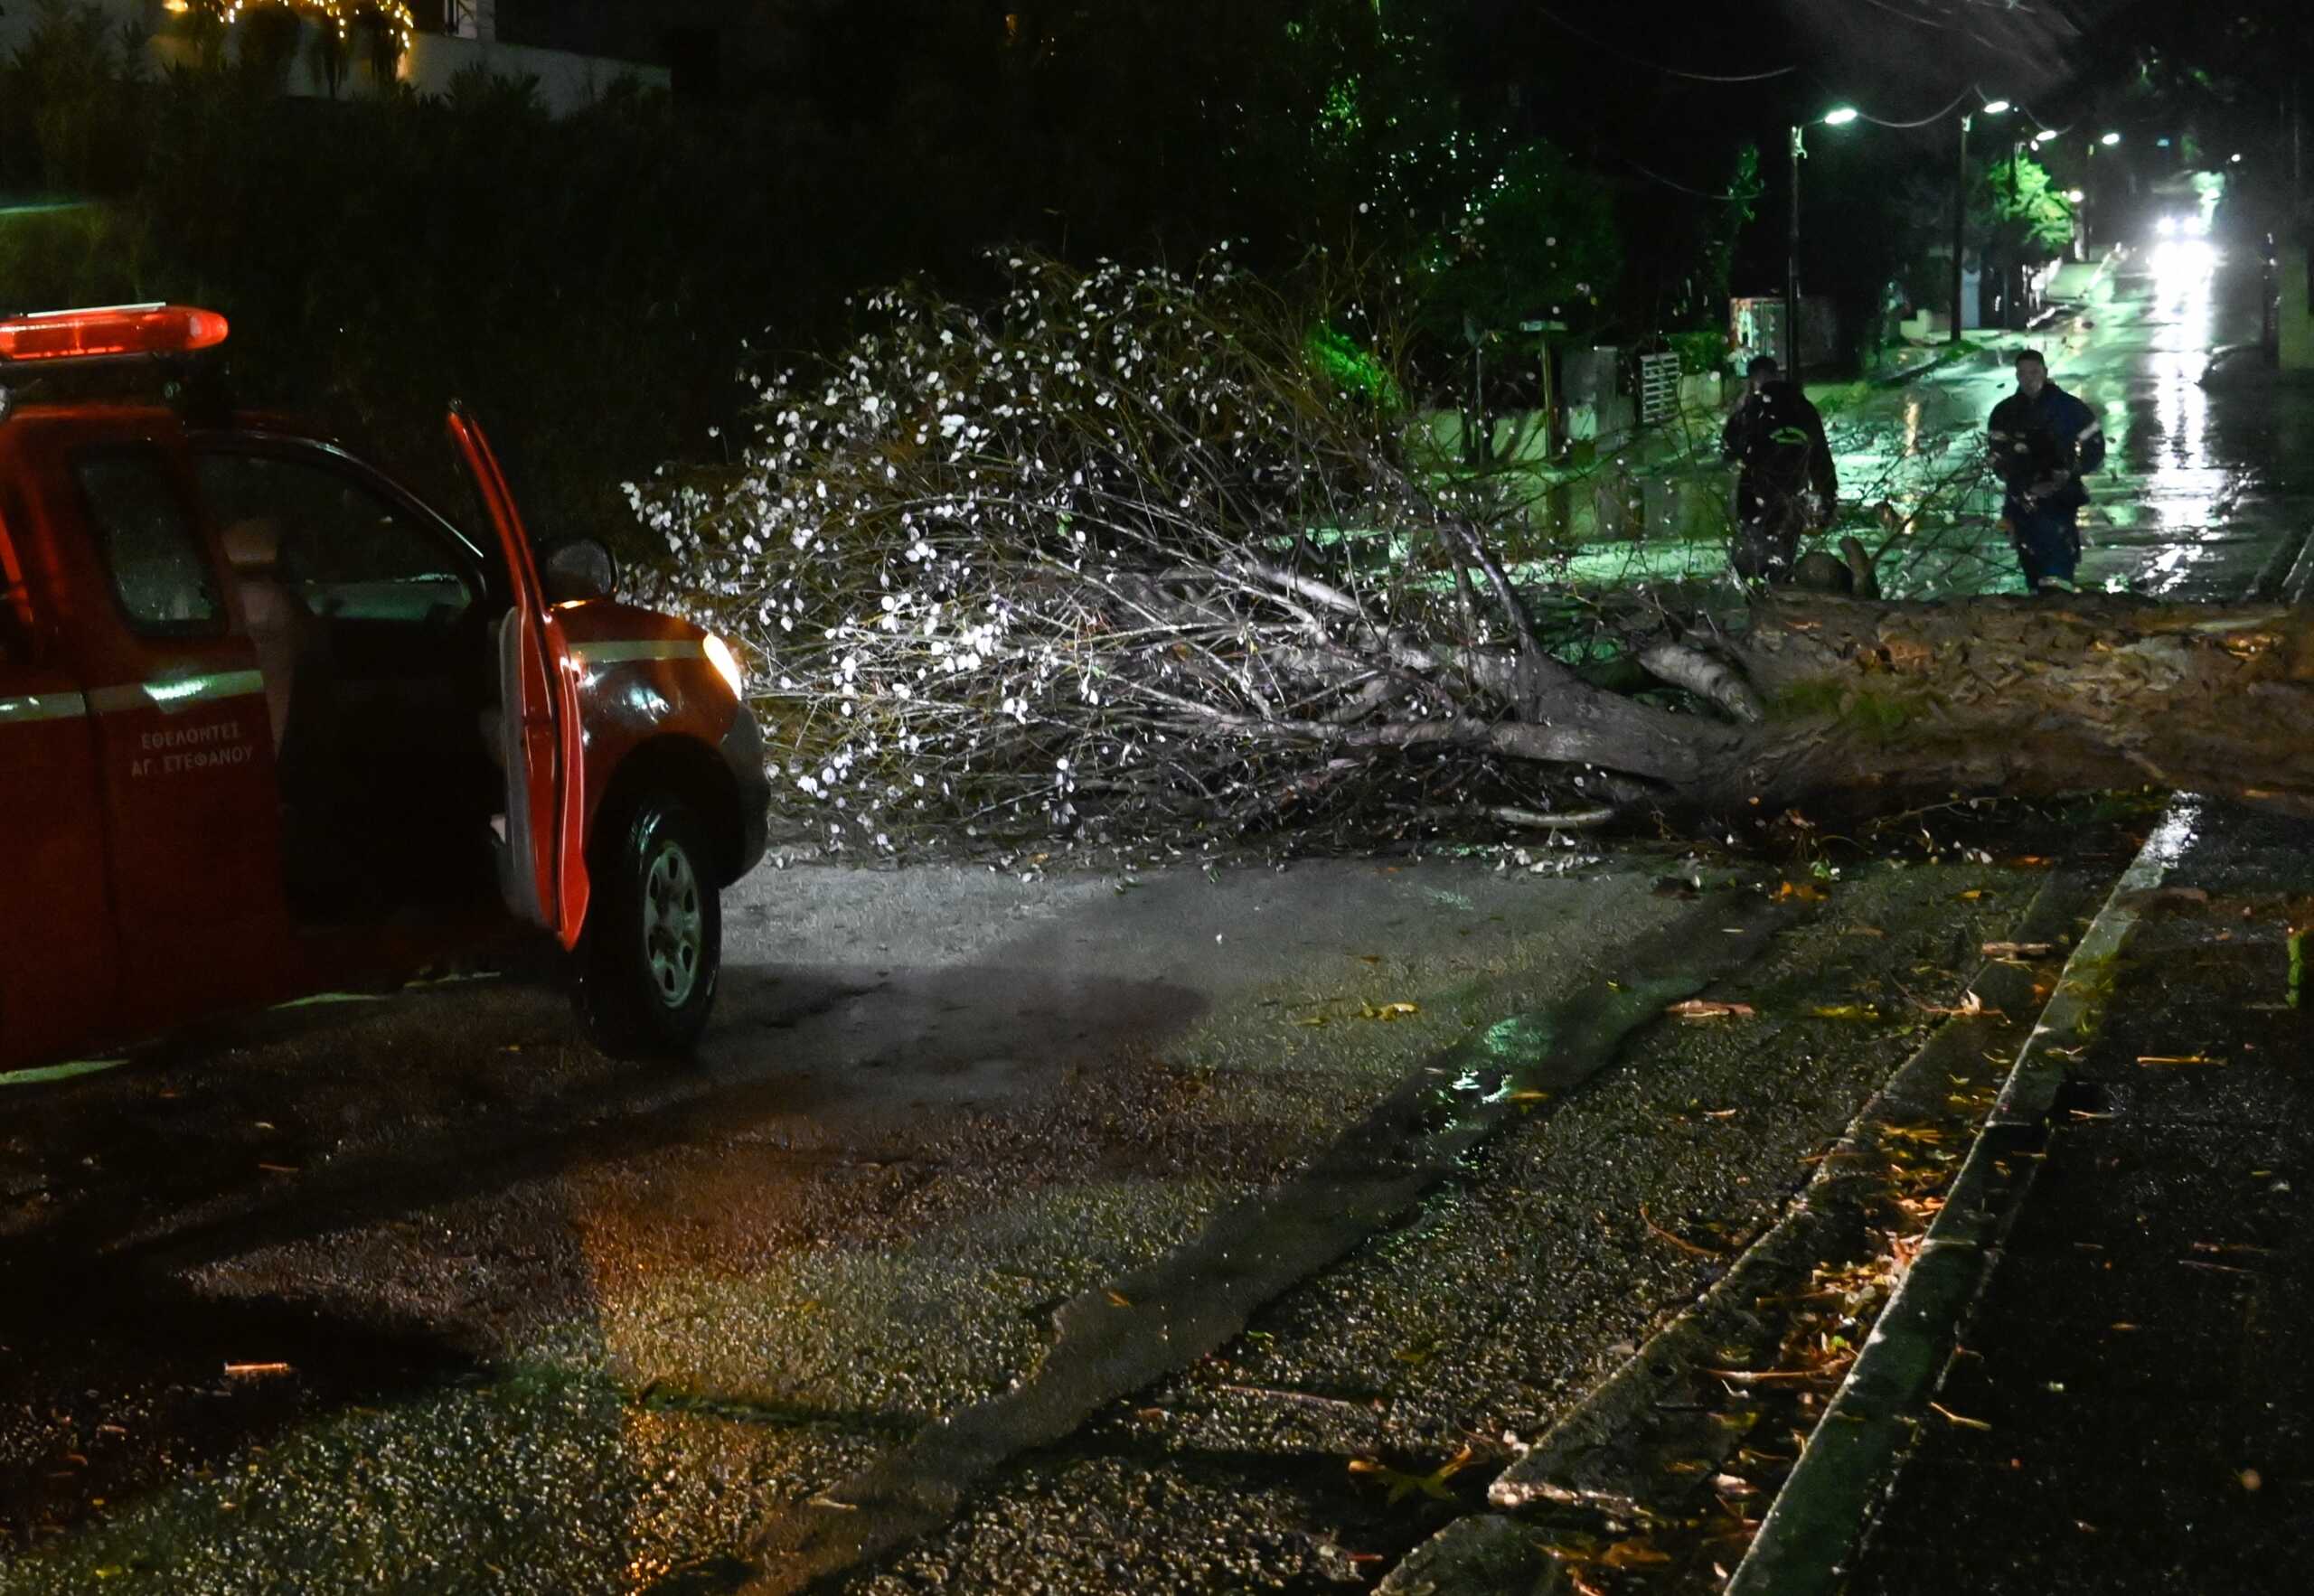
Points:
[(673, 929)]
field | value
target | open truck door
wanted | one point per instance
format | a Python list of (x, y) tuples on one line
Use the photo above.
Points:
[(542, 857)]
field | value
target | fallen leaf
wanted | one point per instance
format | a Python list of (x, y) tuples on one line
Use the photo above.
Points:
[(1960, 1419), (1527, 1094), (1969, 1007), (1118, 1299), (1311, 1021), (1845, 1011), (1710, 1009), (1679, 1241), (1973, 894), (1387, 1012), (2018, 950), (1402, 1485), (1799, 892), (1632, 1555)]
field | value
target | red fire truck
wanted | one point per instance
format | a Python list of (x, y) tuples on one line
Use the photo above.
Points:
[(270, 724)]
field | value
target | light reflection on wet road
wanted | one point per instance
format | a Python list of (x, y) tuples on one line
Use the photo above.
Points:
[(2200, 488)]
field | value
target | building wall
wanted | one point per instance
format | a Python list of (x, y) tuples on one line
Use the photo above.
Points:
[(2294, 316), (706, 45), (565, 80)]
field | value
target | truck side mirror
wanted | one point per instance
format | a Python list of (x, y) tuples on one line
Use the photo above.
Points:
[(578, 568)]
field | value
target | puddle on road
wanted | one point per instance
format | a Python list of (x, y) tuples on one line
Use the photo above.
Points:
[(2194, 502)]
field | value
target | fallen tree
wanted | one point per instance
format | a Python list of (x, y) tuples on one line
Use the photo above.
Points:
[(1124, 558)]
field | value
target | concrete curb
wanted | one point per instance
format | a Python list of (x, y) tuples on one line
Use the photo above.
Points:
[(2301, 575), (1822, 1513), (2286, 572), (1607, 1453)]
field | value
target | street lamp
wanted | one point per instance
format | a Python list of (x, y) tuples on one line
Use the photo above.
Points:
[(2045, 135), (1993, 108), (2106, 141), (1837, 116)]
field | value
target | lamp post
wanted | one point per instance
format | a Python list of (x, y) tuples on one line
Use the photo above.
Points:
[(1838, 117), (2088, 184), (1961, 210)]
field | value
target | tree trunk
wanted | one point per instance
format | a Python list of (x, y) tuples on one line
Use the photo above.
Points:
[(2016, 695)]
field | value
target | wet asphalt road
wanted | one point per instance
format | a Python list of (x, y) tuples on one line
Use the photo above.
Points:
[(421, 1294), (2209, 469), (989, 1246), (2206, 484)]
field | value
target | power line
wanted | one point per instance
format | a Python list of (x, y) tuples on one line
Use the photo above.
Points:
[(1924, 121), (1925, 22), (1651, 66), (1669, 183)]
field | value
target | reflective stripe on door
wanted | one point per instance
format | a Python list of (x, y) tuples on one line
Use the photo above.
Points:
[(169, 694), (623, 653)]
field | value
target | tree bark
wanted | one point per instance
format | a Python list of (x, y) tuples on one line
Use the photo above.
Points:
[(2016, 695)]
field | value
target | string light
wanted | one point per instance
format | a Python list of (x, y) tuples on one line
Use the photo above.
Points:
[(340, 14)]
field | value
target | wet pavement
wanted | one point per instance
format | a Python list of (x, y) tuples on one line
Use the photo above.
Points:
[(2209, 473), (2131, 1408), (1170, 1223)]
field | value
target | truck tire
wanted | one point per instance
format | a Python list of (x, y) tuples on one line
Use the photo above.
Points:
[(653, 948)]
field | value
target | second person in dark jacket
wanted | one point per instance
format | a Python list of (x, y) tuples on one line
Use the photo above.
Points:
[(1786, 482)]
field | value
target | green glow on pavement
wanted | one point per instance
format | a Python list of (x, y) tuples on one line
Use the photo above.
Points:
[(58, 1071)]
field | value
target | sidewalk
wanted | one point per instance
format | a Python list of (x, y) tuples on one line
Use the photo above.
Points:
[(2131, 1405)]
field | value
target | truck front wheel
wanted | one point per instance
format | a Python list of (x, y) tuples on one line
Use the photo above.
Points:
[(654, 944)]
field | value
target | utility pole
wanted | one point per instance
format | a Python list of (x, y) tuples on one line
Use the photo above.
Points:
[(1791, 271), (1959, 226)]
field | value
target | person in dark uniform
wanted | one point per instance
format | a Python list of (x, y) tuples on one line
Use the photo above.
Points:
[(2043, 441), (1786, 481)]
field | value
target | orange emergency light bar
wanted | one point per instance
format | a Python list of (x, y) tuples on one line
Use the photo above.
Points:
[(107, 332)]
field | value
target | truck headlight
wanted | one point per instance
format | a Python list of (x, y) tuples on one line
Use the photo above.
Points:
[(726, 664)]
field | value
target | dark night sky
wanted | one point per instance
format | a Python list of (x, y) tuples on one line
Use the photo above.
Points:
[(1630, 78)]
